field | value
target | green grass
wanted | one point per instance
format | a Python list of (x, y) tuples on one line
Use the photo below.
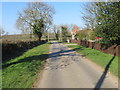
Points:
[(98, 57), (22, 71), (69, 43)]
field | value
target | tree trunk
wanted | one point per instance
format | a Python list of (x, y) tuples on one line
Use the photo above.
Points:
[(30, 35), (39, 38)]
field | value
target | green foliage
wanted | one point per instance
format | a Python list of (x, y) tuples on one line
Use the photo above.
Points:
[(38, 28), (92, 35), (85, 34), (64, 33), (105, 16), (22, 71), (82, 35), (107, 21)]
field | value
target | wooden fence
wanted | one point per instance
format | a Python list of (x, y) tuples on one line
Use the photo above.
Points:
[(113, 50)]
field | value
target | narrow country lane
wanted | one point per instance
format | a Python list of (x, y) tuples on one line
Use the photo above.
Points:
[(67, 69)]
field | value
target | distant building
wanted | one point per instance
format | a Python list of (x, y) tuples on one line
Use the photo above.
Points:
[(85, 33), (74, 32)]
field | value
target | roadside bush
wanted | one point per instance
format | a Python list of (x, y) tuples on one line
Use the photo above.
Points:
[(12, 48)]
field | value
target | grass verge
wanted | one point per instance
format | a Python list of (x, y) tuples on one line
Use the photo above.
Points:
[(68, 43), (99, 58), (22, 71)]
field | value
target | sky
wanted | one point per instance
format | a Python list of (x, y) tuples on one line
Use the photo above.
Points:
[(66, 13)]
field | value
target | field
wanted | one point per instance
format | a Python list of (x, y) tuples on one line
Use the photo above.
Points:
[(23, 37), (18, 37)]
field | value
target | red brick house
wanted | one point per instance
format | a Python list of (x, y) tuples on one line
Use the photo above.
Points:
[(74, 32)]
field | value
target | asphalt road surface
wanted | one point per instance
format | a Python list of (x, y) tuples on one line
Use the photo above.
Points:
[(67, 69)]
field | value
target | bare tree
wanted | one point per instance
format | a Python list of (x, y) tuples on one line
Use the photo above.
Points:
[(70, 26), (2, 31), (56, 31), (35, 18), (89, 15)]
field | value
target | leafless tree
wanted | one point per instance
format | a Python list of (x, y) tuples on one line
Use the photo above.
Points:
[(35, 18)]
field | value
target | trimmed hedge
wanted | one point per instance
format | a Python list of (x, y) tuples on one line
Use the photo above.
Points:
[(10, 48)]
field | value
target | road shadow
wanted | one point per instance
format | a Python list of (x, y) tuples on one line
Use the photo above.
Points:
[(27, 59), (103, 76), (62, 52), (39, 57)]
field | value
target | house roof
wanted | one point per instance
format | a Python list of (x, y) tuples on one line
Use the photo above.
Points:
[(75, 29)]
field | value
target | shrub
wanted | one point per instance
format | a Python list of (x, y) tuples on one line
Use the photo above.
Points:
[(10, 48)]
